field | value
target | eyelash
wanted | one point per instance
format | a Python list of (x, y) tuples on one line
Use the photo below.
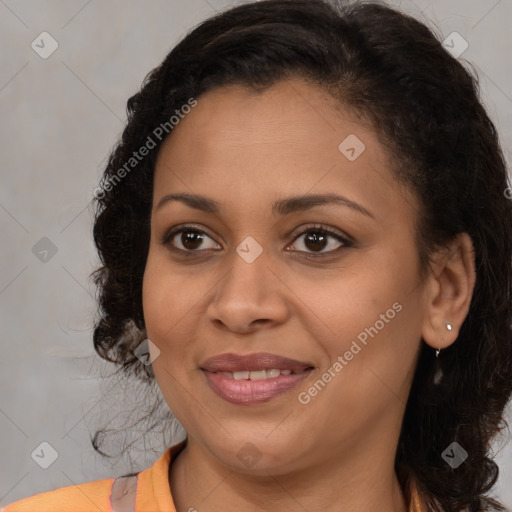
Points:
[(317, 228)]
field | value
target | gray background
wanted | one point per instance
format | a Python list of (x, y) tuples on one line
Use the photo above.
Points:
[(60, 117)]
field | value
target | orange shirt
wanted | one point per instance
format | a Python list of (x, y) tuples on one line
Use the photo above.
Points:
[(150, 491)]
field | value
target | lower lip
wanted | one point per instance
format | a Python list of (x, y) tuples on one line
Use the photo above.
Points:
[(248, 392)]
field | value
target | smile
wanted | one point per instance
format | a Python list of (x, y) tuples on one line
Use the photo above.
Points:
[(253, 387)]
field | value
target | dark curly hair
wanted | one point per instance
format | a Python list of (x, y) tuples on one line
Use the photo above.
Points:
[(425, 107)]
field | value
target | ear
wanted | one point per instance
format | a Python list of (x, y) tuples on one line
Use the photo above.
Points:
[(449, 291)]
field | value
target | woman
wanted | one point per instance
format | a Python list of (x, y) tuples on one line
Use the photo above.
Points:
[(306, 223)]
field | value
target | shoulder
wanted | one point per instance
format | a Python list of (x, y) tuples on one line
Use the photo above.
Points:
[(93, 496), (150, 488)]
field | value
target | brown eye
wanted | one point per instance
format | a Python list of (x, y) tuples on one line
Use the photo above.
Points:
[(189, 240), (315, 241), (320, 241)]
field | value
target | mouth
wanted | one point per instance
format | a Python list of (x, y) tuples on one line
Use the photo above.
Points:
[(250, 379), (254, 363), (254, 387), (262, 374)]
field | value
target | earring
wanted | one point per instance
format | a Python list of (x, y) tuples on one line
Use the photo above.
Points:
[(449, 327)]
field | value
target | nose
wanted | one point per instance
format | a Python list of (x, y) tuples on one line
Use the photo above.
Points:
[(249, 297)]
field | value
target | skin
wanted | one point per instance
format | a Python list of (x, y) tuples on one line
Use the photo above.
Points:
[(246, 150)]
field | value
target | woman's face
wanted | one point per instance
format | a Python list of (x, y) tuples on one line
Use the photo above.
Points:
[(259, 275)]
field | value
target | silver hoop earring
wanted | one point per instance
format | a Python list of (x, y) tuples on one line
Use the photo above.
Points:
[(439, 373)]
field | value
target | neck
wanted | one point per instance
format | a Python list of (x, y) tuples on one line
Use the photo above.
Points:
[(202, 482)]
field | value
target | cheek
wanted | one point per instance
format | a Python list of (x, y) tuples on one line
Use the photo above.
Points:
[(167, 313), (161, 300), (371, 316), (171, 305), (154, 296), (369, 361), (354, 302)]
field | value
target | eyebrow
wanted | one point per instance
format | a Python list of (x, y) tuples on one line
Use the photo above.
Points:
[(281, 207)]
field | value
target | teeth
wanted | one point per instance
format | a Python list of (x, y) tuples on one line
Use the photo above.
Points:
[(256, 374), (238, 375)]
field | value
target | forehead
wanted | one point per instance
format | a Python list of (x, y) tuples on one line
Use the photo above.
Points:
[(292, 115), (290, 138)]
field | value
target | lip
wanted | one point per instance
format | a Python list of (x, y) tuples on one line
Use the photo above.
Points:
[(252, 392), (231, 362)]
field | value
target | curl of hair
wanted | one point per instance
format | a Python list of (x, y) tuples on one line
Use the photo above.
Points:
[(424, 104)]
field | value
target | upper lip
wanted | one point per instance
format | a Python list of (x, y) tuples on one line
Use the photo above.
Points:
[(231, 362)]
